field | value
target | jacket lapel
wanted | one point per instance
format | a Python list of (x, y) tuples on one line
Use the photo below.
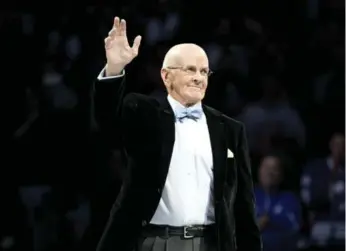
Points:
[(167, 132), (219, 148)]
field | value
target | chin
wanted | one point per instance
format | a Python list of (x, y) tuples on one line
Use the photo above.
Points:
[(195, 98)]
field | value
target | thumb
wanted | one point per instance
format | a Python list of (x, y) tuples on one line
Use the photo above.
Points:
[(136, 44)]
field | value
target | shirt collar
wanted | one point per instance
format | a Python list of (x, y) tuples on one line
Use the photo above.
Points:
[(178, 106)]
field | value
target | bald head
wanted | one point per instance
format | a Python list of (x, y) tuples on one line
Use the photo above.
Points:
[(176, 55)]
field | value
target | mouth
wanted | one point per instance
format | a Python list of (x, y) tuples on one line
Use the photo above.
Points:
[(196, 88)]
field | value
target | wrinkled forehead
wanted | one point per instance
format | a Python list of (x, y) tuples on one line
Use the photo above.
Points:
[(195, 58)]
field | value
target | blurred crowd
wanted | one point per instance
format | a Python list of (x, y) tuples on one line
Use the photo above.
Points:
[(278, 66)]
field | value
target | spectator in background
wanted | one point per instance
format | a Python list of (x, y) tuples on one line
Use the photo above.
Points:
[(58, 95), (163, 25), (323, 183), (272, 117), (278, 211)]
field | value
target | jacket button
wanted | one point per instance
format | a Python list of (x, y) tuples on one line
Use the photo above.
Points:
[(158, 190), (144, 223)]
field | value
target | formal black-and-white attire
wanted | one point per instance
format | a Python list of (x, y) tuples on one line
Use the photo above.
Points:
[(189, 184)]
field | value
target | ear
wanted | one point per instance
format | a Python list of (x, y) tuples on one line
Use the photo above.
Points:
[(165, 76)]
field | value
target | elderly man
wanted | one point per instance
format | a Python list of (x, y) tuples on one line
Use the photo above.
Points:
[(189, 184)]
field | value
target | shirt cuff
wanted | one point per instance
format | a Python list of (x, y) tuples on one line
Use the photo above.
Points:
[(102, 75)]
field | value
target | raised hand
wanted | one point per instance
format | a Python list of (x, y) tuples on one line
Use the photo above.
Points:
[(118, 51)]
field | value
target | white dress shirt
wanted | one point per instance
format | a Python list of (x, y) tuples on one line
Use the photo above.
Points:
[(187, 197)]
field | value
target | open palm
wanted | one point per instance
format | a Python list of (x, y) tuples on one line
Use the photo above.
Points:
[(118, 51)]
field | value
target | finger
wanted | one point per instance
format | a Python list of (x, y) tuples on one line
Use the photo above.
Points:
[(108, 42), (112, 32), (136, 44), (116, 22), (122, 27)]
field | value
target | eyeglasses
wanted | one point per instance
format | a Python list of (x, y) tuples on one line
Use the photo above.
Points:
[(190, 70)]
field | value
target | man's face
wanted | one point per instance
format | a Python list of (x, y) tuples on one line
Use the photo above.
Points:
[(337, 146), (188, 80), (270, 172)]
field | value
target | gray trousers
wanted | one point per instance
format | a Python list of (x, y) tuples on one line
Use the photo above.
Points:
[(175, 243)]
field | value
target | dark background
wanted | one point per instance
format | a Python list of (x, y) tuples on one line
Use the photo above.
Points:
[(58, 177)]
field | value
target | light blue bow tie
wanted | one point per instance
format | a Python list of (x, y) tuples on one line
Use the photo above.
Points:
[(188, 113)]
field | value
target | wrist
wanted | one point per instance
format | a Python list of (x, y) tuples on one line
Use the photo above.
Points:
[(113, 69)]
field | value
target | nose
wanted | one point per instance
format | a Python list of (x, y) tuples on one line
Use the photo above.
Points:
[(198, 77)]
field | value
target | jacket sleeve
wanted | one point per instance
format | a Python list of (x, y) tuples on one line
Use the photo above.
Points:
[(248, 236), (107, 95), (113, 114)]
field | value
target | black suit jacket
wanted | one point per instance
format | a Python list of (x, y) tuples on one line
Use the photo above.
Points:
[(147, 129)]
